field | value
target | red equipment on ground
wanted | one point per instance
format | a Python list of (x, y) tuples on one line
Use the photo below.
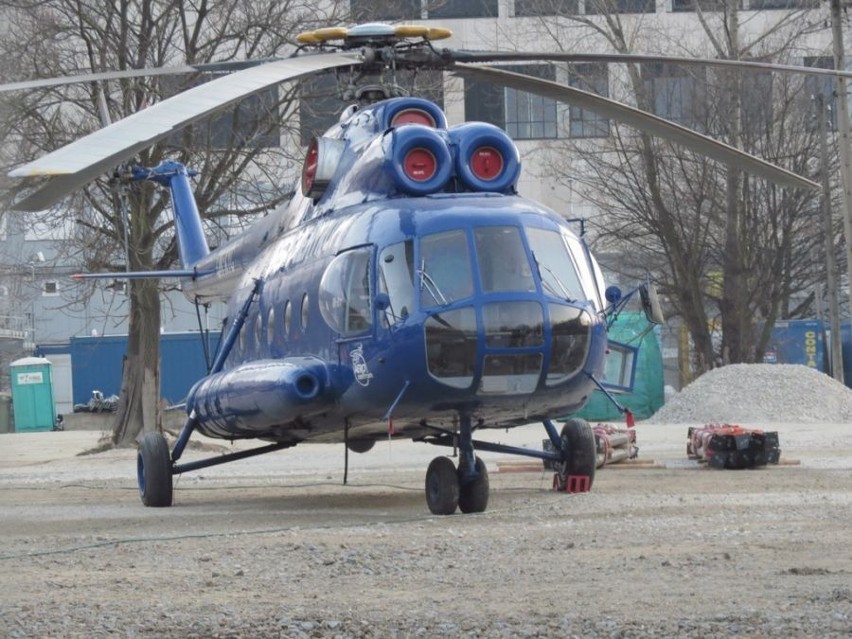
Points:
[(732, 446), (614, 444)]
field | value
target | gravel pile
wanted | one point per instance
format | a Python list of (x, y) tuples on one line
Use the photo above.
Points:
[(759, 393)]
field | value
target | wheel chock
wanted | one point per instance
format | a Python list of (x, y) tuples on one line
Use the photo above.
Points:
[(574, 483)]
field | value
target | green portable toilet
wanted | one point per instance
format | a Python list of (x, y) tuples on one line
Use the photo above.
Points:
[(32, 394)]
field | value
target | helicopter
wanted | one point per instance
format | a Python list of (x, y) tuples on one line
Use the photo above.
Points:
[(406, 289)]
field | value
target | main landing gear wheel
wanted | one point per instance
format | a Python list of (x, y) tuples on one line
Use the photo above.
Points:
[(579, 453), (473, 496), (154, 471), (442, 487)]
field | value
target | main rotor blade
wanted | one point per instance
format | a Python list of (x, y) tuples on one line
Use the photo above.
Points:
[(638, 119), (210, 67), (42, 83), (76, 164), (508, 56)]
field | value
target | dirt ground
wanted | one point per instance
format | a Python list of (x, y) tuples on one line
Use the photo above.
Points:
[(276, 546)]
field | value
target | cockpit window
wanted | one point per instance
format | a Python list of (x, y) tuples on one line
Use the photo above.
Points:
[(591, 277), (503, 262), (396, 278), (444, 271), (558, 273), (344, 293)]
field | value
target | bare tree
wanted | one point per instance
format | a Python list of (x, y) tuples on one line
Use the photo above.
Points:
[(122, 226), (727, 249)]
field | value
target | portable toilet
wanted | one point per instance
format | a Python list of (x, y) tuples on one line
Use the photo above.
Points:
[(32, 394)]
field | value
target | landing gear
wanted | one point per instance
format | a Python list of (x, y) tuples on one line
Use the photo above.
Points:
[(465, 488), (579, 457), (154, 471), (442, 487), (473, 494)]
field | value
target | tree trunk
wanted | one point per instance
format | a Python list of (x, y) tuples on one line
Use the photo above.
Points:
[(139, 406)]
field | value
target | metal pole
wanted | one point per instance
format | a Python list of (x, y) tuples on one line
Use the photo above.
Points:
[(845, 141), (830, 263)]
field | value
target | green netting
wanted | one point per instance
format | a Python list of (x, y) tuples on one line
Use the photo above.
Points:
[(647, 396)]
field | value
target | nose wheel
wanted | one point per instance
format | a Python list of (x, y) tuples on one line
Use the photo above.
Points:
[(442, 487), (448, 488), (466, 488)]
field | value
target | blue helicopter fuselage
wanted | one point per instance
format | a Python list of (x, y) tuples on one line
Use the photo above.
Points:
[(383, 296)]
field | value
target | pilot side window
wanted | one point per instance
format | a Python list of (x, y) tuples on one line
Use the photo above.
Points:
[(445, 272), (503, 262), (558, 274), (396, 278), (345, 295)]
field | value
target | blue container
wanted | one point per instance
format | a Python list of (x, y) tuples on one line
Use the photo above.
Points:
[(846, 349), (97, 364), (797, 342)]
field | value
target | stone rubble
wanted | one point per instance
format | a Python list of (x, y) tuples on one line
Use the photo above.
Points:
[(744, 393)]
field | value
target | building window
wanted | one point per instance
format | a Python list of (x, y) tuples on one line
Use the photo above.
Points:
[(756, 104), (676, 94), (252, 123), (620, 6), (319, 106), (525, 8), (462, 8), (783, 4), (50, 289), (704, 5), (524, 116), (594, 78), (824, 86), (370, 10)]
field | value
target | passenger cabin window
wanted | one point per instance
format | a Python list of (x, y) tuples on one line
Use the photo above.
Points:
[(270, 326), (344, 294), (503, 262), (305, 311), (288, 318), (556, 269), (396, 278), (445, 271)]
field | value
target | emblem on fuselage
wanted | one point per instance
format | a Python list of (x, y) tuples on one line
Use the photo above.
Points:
[(359, 366)]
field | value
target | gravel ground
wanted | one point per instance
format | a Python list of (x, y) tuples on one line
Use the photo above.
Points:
[(276, 546)]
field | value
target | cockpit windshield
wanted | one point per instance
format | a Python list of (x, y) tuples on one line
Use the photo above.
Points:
[(502, 260), (558, 273), (445, 270)]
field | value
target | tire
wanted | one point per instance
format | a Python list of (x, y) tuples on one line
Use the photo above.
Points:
[(579, 452), (473, 496), (442, 487), (154, 471)]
